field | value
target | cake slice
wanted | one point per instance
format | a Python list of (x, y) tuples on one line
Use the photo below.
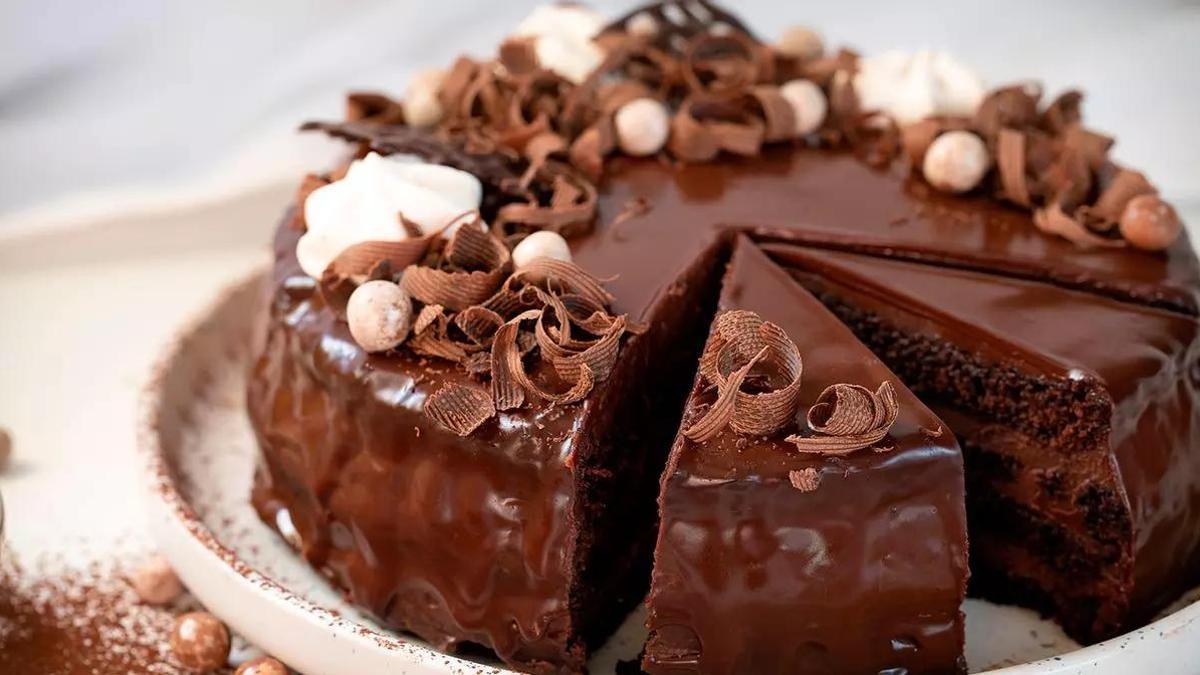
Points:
[(776, 556), (1077, 415)]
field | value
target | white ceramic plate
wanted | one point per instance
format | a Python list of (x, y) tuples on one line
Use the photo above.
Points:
[(201, 453)]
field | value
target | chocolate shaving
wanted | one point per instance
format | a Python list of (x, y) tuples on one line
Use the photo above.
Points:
[(739, 340), (805, 480), (777, 114), (571, 209), (1010, 163), (1053, 220), (373, 108), (849, 417), (460, 408), (568, 276)]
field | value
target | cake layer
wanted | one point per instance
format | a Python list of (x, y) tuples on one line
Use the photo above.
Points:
[(864, 573), (1117, 380)]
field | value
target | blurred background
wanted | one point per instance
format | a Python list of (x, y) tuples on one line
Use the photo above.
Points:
[(104, 105)]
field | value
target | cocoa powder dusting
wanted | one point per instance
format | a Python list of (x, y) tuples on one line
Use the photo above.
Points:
[(86, 622)]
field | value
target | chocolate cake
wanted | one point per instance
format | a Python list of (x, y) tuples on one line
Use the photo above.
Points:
[(768, 554), (482, 328)]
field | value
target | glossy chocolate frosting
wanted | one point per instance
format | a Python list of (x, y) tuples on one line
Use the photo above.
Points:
[(485, 539), (1144, 360), (864, 574)]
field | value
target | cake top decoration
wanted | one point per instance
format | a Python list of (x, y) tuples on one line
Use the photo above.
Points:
[(756, 369)]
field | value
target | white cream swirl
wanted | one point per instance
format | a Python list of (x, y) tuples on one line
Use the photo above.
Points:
[(366, 203), (562, 38), (911, 87)]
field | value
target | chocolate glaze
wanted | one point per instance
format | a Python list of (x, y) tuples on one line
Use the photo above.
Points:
[(865, 574), (1143, 360), (485, 539)]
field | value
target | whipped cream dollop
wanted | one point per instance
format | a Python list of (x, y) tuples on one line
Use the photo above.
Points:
[(910, 87), (562, 39), (366, 205)]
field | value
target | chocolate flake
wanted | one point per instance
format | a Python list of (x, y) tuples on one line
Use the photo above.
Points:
[(849, 417), (460, 408), (805, 480)]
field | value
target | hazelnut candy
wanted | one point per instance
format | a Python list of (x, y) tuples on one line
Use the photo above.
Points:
[(263, 665), (540, 244), (809, 105), (642, 127), (421, 105), (956, 161), (379, 314), (200, 641), (802, 43), (642, 24), (155, 582), (1150, 223)]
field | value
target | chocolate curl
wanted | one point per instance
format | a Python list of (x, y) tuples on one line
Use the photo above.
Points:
[(480, 260), (691, 140), (518, 55), (702, 128), (849, 417), (355, 262), (1012, 106), (1010, 164), (721, 413), (572, 207), (777, 114), (460, 408), (1064, 112), (479, 324), (430, 336), (373, 108), (508, 371), (572, 278), (1051, 219), (738, 337), (720, 66), (569, 357), (592, 146)]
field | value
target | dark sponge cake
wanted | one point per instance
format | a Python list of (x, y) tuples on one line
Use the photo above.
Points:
[(863, 573), (1078, 415)]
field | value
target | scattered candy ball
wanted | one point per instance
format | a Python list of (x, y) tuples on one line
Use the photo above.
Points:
[(200, 641), (642, 24), (421, 105), (6, 446), (379, 314), (802, 43), (956, 161), (642, 127), (155, 582), (263, 665), (809, 105), (540, 244), (1149, 223)]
